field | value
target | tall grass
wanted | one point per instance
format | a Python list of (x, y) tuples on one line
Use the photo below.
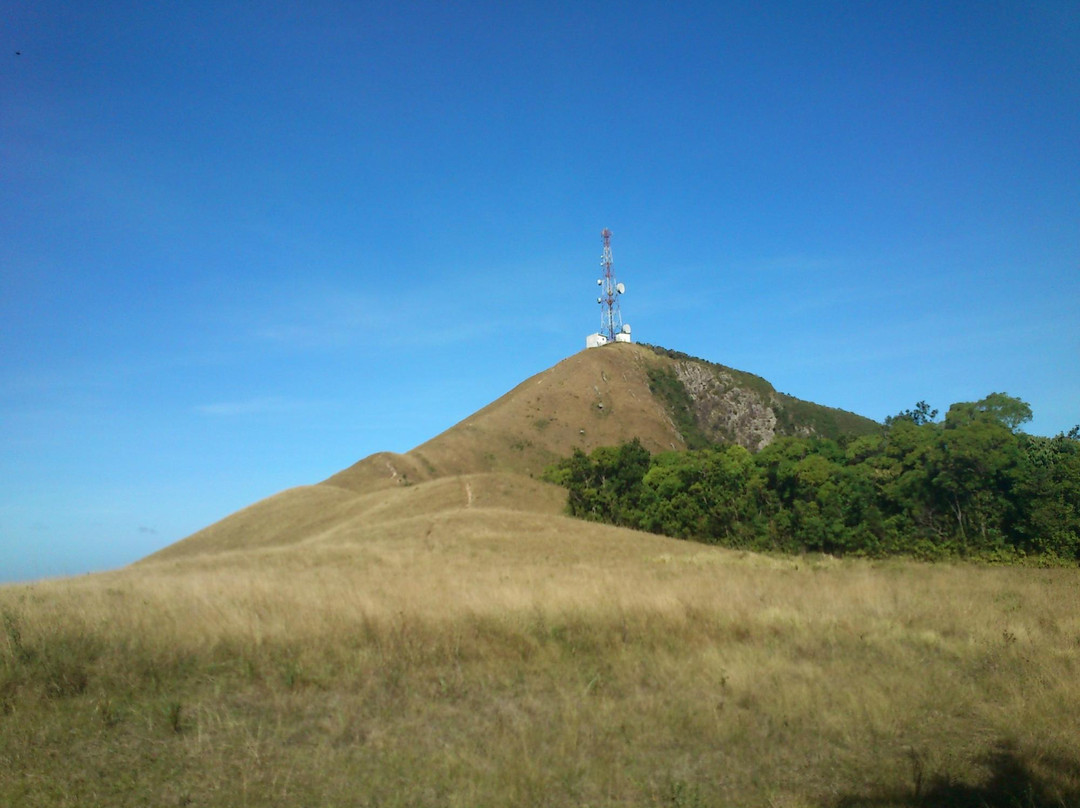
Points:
[(494, 661)]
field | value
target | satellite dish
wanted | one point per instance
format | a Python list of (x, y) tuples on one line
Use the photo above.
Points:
[(599, 281), (620, 288), (626, 328), (599, 300)]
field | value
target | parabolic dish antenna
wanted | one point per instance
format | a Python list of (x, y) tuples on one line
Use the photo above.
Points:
[(620, 288), (626, 328)]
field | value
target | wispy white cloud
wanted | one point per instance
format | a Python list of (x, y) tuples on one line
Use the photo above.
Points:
[(330, 319), (325, 320), (260, 405)]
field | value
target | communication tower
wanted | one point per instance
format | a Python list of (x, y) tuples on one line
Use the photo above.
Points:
[(612, 328)]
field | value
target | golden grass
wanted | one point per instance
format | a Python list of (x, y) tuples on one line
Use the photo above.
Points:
[(314, 512), (593, 398), (470, 654)]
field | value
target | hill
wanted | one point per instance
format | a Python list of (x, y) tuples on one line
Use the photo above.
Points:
[(597, 397), (601, 397), (429, 629)]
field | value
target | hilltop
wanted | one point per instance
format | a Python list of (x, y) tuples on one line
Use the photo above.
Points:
[(598, 397), (601, 397)]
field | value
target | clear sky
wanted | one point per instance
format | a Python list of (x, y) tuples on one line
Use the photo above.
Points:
[(243, 245)]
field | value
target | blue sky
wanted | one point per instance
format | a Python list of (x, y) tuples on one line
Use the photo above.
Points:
[(245, 245)]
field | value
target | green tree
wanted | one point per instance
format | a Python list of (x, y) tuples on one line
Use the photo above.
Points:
[(728, 481), (974, 470), (605, 485), (1006, 410), (971, 484), (1048, 494), (998, 408), (666, 504), (921, 414)]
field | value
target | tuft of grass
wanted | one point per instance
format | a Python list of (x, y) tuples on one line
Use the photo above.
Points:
[(173, 712)]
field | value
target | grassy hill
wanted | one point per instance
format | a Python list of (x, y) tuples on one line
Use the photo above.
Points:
[(602, 397), (428, 629), (594, 398)]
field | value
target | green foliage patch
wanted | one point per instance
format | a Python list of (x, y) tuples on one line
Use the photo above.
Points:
[(793, 416), (741, 378), (665, 385), (971, 486)]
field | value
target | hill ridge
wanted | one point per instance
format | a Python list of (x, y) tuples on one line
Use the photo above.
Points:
[(596, 397)]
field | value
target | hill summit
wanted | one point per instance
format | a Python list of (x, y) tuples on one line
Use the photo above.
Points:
[(598, 397)]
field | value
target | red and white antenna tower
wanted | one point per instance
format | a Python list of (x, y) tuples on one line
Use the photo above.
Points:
[(610, 315)]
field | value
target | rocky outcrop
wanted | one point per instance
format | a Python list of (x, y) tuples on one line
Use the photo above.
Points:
[(724, 410)]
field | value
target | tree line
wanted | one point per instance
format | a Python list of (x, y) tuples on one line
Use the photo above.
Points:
[(970, 485)]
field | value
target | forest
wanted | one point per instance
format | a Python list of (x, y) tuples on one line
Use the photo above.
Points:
[(971, 485)]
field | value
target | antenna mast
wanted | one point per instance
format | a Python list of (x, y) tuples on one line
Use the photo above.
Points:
[(612, 328), (610, 315)]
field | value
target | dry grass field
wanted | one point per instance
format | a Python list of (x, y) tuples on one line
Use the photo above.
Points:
[(470, 654), (427, 629)]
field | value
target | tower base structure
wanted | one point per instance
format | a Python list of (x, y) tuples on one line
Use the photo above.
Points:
[(597, 340)]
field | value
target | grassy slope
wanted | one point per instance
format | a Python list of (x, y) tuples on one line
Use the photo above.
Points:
[(477, 655), (514, 437), (314, 513), (593, 398)]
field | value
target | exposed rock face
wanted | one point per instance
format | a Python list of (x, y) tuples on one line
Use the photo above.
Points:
[(725, 411)]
